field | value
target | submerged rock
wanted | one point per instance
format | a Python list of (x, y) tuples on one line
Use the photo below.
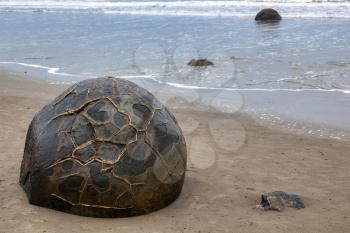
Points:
[(268, 15), (279, 200), (200, 62)]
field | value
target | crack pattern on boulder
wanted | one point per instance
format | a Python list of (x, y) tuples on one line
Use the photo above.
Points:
[(104, 148)]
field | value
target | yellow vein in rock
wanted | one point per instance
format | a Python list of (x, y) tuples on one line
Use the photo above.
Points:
[(89, 205)]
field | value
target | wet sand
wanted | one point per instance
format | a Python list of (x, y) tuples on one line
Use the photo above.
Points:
[(232, 160)]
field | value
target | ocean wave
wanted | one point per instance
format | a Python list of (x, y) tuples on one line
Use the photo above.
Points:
[(186, 4), (225, 13), (294, 8)]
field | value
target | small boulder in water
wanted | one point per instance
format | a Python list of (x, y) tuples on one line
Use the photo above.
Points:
[(268, 14), (279, 200), (200, 62)]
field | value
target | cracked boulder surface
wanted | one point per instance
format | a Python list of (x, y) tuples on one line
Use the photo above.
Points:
[(104, 148)]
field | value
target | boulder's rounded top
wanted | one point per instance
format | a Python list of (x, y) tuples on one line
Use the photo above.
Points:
[(268, 14), (106, 148)]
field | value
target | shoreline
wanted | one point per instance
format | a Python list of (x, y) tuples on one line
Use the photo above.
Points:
[(54, 71), (232, 160), (301, 120)]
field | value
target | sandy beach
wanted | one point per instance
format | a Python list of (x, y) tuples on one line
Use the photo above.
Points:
[(232, 161)]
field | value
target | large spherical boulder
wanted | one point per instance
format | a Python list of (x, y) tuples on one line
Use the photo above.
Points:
[(268, 15), (104, 148)]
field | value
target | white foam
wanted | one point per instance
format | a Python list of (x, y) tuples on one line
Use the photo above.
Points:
[(184, 86), (224, 13), (50, 70), (178, 13), (55, 71), (188, 4), (293, 8)]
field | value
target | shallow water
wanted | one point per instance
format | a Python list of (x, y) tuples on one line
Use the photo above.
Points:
[(295, 54), (297, 69)]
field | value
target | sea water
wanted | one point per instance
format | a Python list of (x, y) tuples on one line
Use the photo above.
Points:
[(284, 73)]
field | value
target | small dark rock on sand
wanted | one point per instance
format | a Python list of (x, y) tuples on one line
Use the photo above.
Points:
[(200, 62), (268, 15), (279, 200)]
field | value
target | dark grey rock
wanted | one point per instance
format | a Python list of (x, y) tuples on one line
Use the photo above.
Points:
[(279, 200), (104, 148), (200, 62), (268, 15)]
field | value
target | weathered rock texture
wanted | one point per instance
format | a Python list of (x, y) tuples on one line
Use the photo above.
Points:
[(279, 200), (104, 148)]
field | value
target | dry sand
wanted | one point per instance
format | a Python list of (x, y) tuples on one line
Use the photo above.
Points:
[(232, 160)]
